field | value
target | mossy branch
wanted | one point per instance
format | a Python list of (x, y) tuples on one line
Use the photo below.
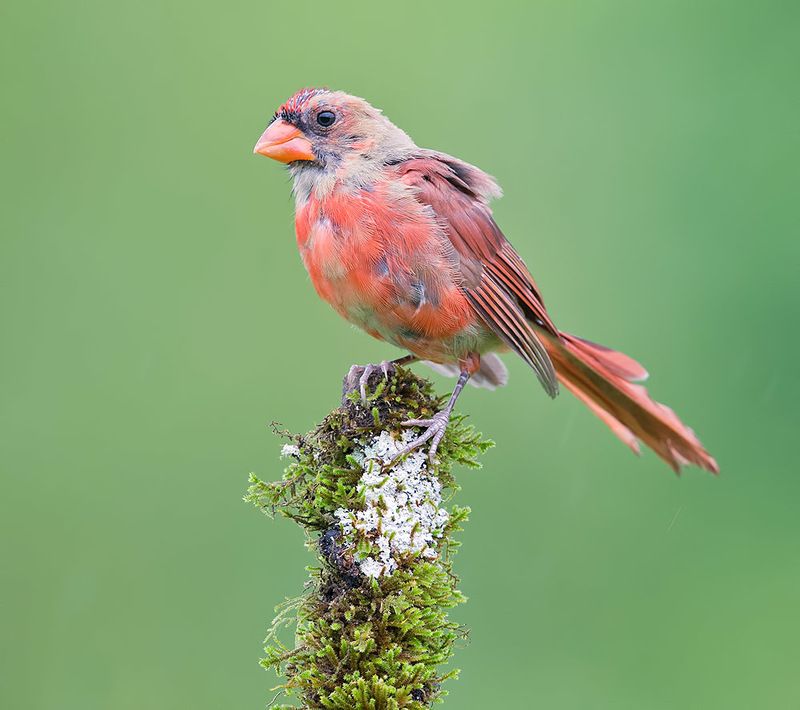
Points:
[(372, 630)]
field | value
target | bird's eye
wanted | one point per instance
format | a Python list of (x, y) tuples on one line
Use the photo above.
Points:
[(326, 118)]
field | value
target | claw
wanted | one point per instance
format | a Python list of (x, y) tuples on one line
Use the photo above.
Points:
[(367, 372), (435, 427)]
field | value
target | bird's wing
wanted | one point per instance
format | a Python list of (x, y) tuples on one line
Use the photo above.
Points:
[(494, 278)]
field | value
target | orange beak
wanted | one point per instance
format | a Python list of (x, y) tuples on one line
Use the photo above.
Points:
[(284, 142)]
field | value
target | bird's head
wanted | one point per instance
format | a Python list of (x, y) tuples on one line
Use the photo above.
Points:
[(328, 128)]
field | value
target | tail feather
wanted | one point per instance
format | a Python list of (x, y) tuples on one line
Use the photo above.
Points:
[(617, 362), (605, 381), (620, 430)]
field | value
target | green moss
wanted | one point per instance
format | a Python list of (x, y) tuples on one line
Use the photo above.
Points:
[(364, 643)]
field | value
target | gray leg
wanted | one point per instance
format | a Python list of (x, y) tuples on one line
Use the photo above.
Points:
[(436, 426)]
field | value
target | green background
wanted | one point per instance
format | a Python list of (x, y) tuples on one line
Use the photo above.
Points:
[(156, 317)]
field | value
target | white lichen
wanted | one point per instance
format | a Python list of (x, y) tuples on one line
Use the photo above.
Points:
[(401, 514), (290, 451)]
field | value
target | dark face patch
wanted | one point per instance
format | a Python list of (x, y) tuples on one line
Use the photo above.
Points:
[(292, 110), (323, 120)]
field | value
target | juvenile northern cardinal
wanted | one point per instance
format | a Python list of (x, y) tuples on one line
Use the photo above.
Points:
[(400, 240)]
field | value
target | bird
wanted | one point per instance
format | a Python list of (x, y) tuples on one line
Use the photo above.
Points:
[(401, 241)]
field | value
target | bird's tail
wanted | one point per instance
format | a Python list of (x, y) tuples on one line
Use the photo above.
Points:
[(605, 380)]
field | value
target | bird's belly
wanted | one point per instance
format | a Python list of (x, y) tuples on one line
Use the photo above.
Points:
[(441, 332), (449, 342), (401, 290)]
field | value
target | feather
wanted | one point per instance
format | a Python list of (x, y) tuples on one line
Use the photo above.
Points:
[(504, 295), (491, 375), (624, 406), (402, 242), (493, 277)]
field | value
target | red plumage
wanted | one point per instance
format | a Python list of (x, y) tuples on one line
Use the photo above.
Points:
[(401, 241)]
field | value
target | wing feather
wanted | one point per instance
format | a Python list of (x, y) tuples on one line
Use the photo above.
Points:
[(494, 277)]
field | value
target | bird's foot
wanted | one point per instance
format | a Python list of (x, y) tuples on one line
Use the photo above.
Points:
[(362, 373), (435, 427)]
